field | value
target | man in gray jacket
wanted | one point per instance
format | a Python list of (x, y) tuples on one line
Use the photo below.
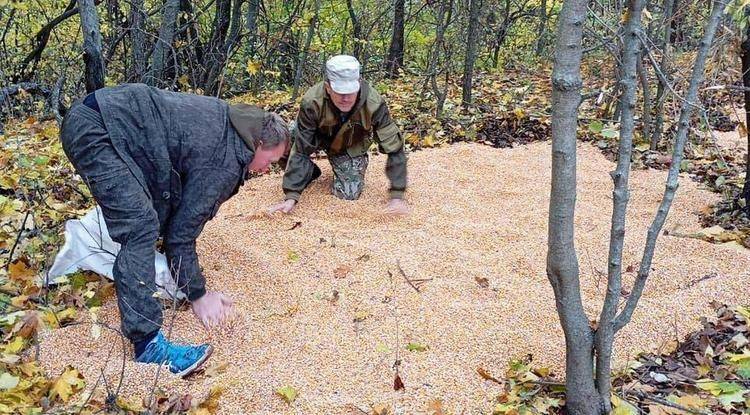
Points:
[(161, 163)]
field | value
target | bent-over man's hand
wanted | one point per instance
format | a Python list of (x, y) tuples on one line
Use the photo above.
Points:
[(396, 207), (213, 308), (284, 207)]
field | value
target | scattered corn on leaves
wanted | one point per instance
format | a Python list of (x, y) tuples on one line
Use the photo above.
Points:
[(69, 382), (524, 392), (287, 393)]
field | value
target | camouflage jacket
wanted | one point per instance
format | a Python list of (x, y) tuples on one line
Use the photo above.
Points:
[(320, 127)]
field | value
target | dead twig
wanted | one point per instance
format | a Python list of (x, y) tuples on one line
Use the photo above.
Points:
[(414, 283)]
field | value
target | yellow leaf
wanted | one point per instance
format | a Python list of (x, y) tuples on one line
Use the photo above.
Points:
[(519, 113), (288, 393), (622, 407), (67, 384), (130, 404), (689, 401), (428, 141), (15, 345), (253, 67)]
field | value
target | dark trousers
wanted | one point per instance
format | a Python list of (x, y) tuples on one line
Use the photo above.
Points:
[(128, 213)]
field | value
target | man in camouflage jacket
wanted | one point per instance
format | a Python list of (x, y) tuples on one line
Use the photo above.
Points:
[(342, 116)]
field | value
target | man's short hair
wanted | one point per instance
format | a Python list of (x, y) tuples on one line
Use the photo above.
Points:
[(275, 131)]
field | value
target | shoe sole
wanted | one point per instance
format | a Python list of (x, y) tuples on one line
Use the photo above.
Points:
[(197, 364)]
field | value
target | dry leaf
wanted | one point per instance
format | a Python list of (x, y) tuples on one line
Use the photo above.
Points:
[(435, 407), (381, 409), (342, 271), (398, 384)]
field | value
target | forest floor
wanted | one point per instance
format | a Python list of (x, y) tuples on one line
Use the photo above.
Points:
[(325, 308), (331, 297)]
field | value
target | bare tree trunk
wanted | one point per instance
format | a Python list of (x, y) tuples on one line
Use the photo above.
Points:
[(251, 25), (471, 52), (163, 46), (434, 54), (92, 45), (543, 17), (356, 29), (395, 59), (661, 89), (303, 59), (646, 91), (138, 41), (214, 52), (562, 262), (502, 33), (746, 84), (604, 336), (688, 105)]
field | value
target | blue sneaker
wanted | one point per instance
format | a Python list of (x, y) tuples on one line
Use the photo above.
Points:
[(180, 359)]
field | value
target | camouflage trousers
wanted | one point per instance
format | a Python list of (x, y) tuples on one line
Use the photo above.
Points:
[(348, 175)]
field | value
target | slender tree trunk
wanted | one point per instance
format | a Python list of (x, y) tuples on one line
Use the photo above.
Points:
[(746, 84), (502, 33), (604, 336), (356, 29), (434, 54), (214, 52), (138, 41), (251, 25), (471, 52), (683, 126), (646, 91), (395, 60), (92, 45), (543, 17), (562, 262), (661, 89), (163, 46), (303, 59)]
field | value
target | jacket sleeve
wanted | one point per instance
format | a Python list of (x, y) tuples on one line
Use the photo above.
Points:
[(299, 168), (391, 142), (201, 198)]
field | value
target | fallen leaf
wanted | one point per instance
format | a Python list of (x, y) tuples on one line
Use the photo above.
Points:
[(288, 393), (361, 315), (342, 271), (622, 407), (217, 369), (482, 281), (416, 347), (435, 407), (8, 381), (292, 256), (398, 384), (19, 270), (67, 384), (381, 409)]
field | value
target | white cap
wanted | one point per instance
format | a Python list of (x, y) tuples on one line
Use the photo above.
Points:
[(342, 71)]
